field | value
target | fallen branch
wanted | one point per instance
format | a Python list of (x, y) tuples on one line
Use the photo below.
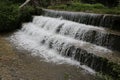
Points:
[(26, 2)]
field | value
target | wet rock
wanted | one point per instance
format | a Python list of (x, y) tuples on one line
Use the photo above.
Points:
[(108, 21)]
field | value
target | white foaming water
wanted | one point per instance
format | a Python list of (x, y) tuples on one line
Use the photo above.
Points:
[(29, 38), (57, 39), (41, 39), (55, 22), (72, 29)]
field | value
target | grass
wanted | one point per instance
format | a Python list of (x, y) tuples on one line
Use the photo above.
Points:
[(91, 8)]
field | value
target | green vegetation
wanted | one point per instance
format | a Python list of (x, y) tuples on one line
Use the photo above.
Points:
[(92, 8), (11, 16), (8, 14), (108, 3), (100, 76), (66, 76)]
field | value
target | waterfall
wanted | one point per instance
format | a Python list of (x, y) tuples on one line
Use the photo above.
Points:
[(100, 20), (95, 35), (61, 41)]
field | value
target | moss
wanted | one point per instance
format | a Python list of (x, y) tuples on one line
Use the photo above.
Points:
[(93, 8), (108, 3), (100, 76), (102, 65), (66, 76), (110, 69)]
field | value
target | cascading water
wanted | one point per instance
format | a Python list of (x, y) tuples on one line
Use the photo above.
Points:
[(44, 44), (108, 21), (54, 38), (98, 36)]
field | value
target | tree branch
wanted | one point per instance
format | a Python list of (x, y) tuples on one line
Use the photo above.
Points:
[(26, 2)]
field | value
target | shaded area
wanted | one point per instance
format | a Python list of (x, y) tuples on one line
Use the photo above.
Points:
[(11, 17)]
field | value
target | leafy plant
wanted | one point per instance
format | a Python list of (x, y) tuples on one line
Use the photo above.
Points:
[(11, 16)]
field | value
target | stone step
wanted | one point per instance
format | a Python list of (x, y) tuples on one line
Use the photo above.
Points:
[(96, 35), (99, 20), (98, 58)]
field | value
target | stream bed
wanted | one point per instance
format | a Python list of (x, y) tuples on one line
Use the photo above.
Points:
[(20, 65)]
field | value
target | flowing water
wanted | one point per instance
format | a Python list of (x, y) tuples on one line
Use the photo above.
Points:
[(49, 46), (21, 65), (59, 41), (100, 20)]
